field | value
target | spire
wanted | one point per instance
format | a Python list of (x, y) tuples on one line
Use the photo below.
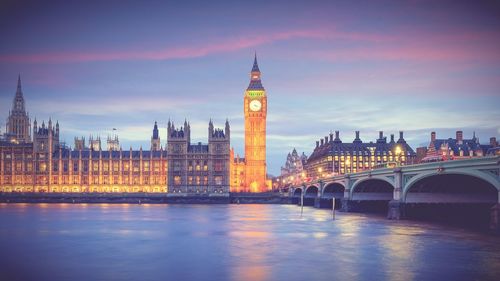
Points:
[(155, 131), (255, 67), (19, 90), (255, 83), (18, 103)]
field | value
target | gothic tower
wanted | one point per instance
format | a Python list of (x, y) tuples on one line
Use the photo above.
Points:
[(155, 139), (255, 107), (18, 122)]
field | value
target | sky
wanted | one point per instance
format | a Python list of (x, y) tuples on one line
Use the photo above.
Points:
[(412, 66)]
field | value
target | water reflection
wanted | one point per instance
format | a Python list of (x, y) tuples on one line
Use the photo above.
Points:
[(232, 242), (246, 238)]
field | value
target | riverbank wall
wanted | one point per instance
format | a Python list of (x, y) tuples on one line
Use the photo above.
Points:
[(144, 198)]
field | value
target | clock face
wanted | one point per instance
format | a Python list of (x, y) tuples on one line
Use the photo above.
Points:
[(255, 105)]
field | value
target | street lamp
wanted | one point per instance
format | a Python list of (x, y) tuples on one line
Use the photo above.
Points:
[(320, 170)]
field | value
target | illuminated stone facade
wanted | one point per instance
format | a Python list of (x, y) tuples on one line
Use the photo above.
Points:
[(458, 148), (198, 168), (45, 165), (333, 157)]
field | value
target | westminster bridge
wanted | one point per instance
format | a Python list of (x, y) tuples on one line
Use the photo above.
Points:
[(438, 186)]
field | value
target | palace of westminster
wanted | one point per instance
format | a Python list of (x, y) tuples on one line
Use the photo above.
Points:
[(37, 161)]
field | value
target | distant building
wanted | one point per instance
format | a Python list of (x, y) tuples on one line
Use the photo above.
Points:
[(198, 168), (421, 153), (494, 147), (293, 171), (333, 157), (458, 148)]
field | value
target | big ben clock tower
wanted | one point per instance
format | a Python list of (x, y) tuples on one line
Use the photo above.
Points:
[(255, 106)]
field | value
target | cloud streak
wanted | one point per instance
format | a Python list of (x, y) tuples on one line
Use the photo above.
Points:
[(184, 52)]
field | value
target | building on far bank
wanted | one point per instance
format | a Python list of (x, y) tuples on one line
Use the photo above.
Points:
[(421, 153), (458, 148), (331, 156), (47, 165), (293, 171), (198, 168)]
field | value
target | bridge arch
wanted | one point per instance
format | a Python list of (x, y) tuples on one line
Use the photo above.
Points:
[(473, 173), (374, 188), (461, 197), (297, 191), (455, 186), (311, 191), (333, 189)]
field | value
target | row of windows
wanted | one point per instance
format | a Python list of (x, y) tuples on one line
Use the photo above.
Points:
[(84, 180), (107, 167), (372, 158), (198, 180), (17, 156)]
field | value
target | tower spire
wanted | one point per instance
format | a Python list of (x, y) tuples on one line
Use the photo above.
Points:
[(19, 90), (255, 67), (255, 82)]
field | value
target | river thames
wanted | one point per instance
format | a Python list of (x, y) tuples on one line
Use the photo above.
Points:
[(232, 242)]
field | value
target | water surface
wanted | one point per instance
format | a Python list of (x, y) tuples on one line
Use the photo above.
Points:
[(232, 242)]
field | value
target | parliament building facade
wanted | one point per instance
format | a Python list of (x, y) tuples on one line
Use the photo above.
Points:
[(35, 160)]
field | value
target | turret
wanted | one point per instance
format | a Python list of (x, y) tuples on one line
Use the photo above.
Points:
[(169, 129), (210, 127), (155, 139), (227, 129), (18, 123), (155, 131)]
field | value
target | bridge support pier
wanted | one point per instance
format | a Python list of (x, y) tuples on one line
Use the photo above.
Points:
[(317, 202), (346, 205), (495, 219), (396, 210)]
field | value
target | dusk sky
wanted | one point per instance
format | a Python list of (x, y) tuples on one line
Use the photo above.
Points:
[(416, 66)]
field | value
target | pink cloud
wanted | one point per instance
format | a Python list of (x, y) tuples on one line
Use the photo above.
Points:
[(224, 45), (403, 44), (420, 46)]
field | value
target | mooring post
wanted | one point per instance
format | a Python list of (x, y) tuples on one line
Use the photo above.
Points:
[(301, 203), (333, 208)]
